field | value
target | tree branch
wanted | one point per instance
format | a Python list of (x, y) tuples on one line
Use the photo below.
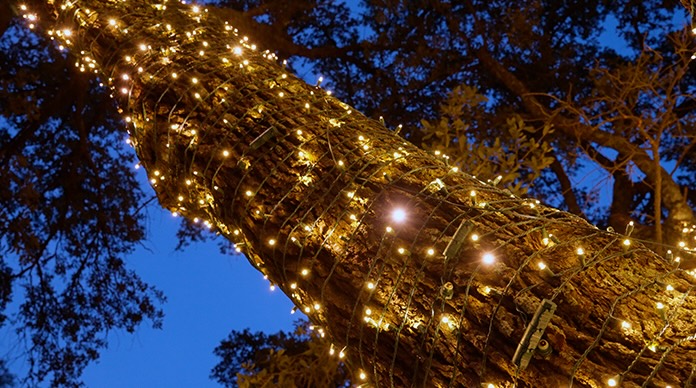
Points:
[(566, 188), (672, 198)]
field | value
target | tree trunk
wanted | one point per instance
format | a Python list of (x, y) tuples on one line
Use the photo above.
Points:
[(309, 190)]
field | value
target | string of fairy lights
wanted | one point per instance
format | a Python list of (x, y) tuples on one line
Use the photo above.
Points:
[(407, 237)]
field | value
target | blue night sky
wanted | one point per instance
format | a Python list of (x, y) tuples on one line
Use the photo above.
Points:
[(208, 295)]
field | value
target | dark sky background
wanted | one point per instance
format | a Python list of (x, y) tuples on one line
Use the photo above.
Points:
[(209, 294)]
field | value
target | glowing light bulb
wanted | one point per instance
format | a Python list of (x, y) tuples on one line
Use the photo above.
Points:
[(581, 251), (488, 258), (431, 252), (304, 272), (626, 325), (612, 382), (370, 285), (271, 242), (363, 376), (474, 237), (659, 305), (542, 265), (398, 215)]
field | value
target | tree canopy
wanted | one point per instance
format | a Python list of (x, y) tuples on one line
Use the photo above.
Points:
[(297, 359), (538, 103), (69, 211)]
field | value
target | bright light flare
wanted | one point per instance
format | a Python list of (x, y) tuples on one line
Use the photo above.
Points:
[(398, 215)]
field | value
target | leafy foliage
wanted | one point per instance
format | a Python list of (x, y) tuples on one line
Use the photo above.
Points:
[(6, 378), (297, 359), (68, 212), (516, 163)]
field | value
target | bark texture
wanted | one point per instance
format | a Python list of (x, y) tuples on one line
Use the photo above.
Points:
[(307, 187)]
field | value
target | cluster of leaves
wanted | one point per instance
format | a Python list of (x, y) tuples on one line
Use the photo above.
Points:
[(297, 359), (69, 213), (6, 378), (515, 157)]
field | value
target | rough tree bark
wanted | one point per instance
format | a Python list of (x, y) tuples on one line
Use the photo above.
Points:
[(307, 188)]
